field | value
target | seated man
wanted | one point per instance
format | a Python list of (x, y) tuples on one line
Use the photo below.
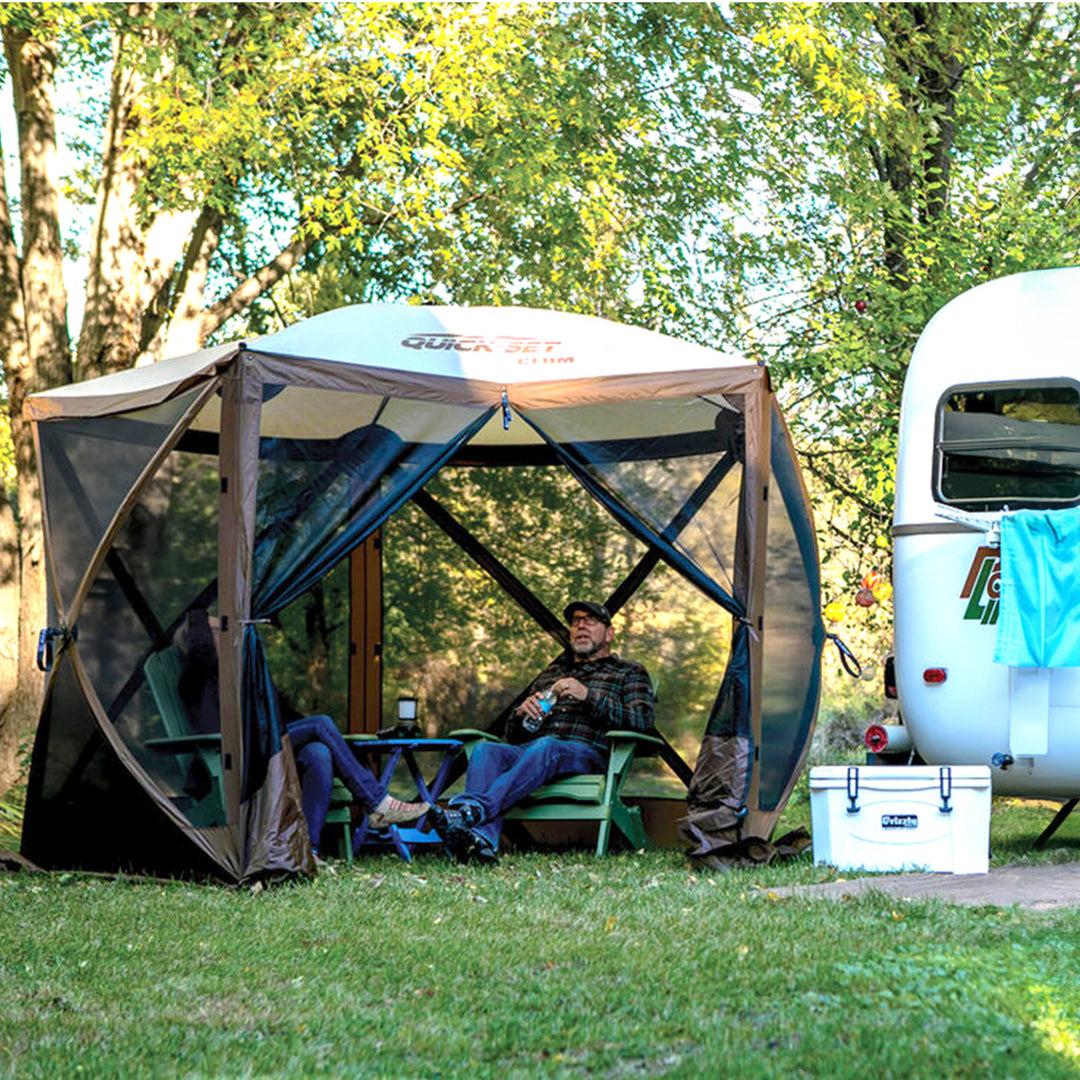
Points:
[(594, 690)]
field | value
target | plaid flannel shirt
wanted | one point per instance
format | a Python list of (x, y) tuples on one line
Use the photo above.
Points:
[(620, 698)]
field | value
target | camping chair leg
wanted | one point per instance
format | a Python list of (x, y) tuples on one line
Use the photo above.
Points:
[(603, 836), (630, 824)]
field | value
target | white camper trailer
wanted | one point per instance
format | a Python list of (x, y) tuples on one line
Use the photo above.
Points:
[(990, 423)]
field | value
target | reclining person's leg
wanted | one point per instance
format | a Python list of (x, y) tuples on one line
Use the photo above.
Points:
[(316, 769), (365, 787), (500, 776), (537, 763)]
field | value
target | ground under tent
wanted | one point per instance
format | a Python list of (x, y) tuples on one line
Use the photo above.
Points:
[(239, 477)]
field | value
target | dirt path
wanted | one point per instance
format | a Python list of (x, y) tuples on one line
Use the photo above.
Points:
[(1037, 888)]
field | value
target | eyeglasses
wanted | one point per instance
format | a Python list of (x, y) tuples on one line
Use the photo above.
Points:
[(584, 620)]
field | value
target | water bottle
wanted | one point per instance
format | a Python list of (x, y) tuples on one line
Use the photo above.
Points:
[(545, 700)]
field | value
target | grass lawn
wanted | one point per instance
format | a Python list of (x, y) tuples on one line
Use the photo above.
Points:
[(550, 965)]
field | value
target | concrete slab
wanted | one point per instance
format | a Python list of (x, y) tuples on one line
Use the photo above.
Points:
[(1036, 888)]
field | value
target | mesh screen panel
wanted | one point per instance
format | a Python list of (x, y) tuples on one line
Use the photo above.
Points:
[(89, 466), (84, 809), (792, 638)]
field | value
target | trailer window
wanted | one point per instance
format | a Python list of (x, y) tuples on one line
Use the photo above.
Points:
[(1009, 444)]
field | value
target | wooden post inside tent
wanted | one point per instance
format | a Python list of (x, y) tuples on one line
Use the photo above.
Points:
[(365, 636)]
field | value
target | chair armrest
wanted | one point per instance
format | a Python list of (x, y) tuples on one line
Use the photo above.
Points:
[(645, 740), (655, 744), (470, 738)]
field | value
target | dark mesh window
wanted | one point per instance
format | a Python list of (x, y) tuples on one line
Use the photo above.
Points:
[(791, 658), (1015, 445)]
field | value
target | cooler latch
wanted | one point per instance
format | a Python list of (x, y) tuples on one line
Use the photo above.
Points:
[(853, 790), (945, 779)]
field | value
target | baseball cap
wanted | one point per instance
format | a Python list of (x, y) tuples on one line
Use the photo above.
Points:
[(598, 611)]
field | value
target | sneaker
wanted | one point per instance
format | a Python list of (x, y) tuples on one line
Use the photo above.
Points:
[(482, 851), (391, 811), (463, 842)]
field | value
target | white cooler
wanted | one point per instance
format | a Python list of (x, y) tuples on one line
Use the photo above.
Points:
[(902, 817)]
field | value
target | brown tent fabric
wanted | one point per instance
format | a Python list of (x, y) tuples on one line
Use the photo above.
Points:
[(168, 487)]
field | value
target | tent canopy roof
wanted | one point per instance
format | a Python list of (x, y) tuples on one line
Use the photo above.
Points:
[(459, 354)]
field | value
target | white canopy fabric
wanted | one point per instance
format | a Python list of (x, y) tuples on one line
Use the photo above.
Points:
[(453, 354)]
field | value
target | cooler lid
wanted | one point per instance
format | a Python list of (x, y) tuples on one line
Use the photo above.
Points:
[(899, 777)]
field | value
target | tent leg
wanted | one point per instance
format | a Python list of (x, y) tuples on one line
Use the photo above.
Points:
[(1054, 825)]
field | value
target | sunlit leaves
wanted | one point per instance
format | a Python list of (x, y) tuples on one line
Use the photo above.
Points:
[(909, 157)]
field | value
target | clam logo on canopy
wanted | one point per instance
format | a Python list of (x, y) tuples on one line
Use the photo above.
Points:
[(982, 589), (524, 349)]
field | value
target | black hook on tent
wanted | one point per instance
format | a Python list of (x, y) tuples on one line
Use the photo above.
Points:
[(847, 657), (507, 415), (45, 645)]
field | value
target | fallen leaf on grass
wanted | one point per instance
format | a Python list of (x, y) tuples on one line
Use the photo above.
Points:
[(610, 924)]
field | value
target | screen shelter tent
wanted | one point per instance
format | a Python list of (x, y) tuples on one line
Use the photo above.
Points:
[(235, 478)]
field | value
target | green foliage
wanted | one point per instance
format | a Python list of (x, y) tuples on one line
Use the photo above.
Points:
[(930, 158), (12, 805), (805, 183), (7, 451)]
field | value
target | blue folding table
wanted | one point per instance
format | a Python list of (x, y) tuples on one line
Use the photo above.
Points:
[(391, 752)]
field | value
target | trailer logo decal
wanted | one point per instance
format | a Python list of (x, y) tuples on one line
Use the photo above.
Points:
[(899, 821), (982, 589)]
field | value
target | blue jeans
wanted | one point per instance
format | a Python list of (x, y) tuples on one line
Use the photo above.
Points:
[(321, 753), (501, 775)]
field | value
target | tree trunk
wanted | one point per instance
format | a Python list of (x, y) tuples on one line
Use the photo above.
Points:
[(37, 354), (9, 642), (133, 251)]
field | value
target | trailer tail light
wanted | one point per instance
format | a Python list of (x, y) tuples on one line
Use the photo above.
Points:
[(877, 738), (888, 739), (934, 676)]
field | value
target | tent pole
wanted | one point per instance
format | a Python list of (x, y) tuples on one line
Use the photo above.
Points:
[(241, 408), (365, 636), (756, 518)]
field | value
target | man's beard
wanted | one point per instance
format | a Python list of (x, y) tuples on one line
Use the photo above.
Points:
[(591, 649)]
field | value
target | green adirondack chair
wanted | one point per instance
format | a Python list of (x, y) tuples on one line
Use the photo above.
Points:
[(587, 796), (162, 671)]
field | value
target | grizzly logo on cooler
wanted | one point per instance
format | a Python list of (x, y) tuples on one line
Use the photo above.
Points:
[(982, 589)]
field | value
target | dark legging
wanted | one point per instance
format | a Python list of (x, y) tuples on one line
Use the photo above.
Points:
[(321, 753)]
